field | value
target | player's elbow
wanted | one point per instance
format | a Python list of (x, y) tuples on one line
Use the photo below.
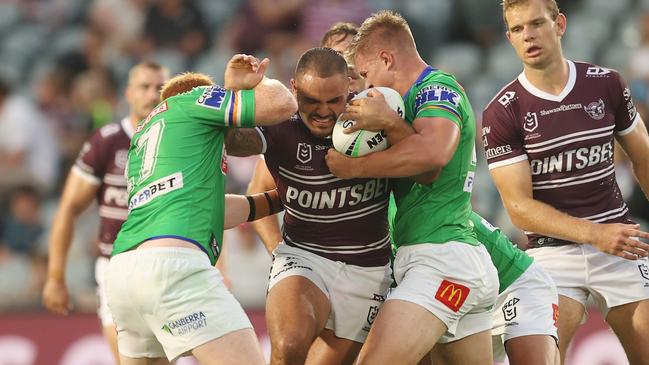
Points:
[(518, 214)]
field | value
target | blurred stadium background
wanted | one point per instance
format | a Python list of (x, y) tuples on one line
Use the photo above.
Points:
[(63, 68)]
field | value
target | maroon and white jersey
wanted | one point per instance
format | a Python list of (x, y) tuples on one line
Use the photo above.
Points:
[(568, 140), (342, 220), (102, 161)]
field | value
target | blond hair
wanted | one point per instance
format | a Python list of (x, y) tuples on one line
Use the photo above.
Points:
[(550, 5), (183, 83), (385, 25)]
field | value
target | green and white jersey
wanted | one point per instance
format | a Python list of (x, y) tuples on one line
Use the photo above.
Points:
[(176, 168), (510, 261), (438, 212)]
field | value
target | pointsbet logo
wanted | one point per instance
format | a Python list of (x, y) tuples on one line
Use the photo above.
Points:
[(185, 324)]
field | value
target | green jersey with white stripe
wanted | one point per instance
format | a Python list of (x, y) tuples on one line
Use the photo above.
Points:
[(438, 212), (176, 168)]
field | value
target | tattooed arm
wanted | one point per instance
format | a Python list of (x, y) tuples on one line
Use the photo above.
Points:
[(243, 142)]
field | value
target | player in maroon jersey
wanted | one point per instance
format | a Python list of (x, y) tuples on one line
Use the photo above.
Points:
[(331, 272), (338, 38), (549, 138), (98, 174)]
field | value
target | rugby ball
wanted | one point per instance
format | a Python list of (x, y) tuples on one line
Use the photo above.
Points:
[(363, 142)]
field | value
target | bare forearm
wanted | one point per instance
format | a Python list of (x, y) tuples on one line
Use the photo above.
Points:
[(398, 130), (268, 228), (641, 172), (538, 217), (59, 244), (274, 103), (269, 231), (409, 158)]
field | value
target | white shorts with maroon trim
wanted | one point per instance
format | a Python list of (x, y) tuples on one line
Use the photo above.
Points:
[(355, 292), (580, 271)]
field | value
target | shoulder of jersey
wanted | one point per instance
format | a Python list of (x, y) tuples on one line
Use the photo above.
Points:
[(506, 96), (592, 71), (110, 131)]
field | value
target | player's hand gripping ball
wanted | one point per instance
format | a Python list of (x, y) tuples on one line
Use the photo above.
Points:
[(362, 142)]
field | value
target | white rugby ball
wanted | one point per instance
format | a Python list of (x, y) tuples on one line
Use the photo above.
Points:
[(362, 142)]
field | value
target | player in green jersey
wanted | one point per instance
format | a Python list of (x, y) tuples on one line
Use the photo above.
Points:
[(447, 285), (167, 298), (524, 321)]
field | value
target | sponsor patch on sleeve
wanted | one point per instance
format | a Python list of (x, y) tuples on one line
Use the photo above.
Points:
[(438, 97), (212, 97)]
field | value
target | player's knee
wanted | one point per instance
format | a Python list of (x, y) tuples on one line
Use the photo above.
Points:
[(290, 349)]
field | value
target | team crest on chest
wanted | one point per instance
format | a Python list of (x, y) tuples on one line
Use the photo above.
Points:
[(595, 109), (531, 122), (121, 156), (304, 152)]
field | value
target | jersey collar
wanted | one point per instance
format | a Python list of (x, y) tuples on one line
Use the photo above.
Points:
[(127, 127), (428, 70), (572, 77)]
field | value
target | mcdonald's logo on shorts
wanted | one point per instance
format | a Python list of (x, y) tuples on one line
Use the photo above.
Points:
[(452, 294)]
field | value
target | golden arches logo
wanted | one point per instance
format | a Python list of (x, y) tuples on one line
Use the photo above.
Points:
[(452, 294)]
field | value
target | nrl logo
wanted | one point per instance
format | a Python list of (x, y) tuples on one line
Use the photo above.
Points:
[(371, 314), (531, 122), (595, 109), (304, 153), (509, 309), (644, 271)]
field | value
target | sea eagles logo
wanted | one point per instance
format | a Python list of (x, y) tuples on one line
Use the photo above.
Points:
[(531, 122), (304, 153), (595, 109)]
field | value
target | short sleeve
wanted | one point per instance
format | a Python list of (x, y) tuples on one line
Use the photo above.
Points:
[(626, 115), (502, 143), (91, 161), (439, 100), (219, 107), (267, 134)]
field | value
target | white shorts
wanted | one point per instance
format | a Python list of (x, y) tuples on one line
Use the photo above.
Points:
[(355, 293), (168, 301), (529, 306), (580, 271), (101, 267), (455, 281)]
